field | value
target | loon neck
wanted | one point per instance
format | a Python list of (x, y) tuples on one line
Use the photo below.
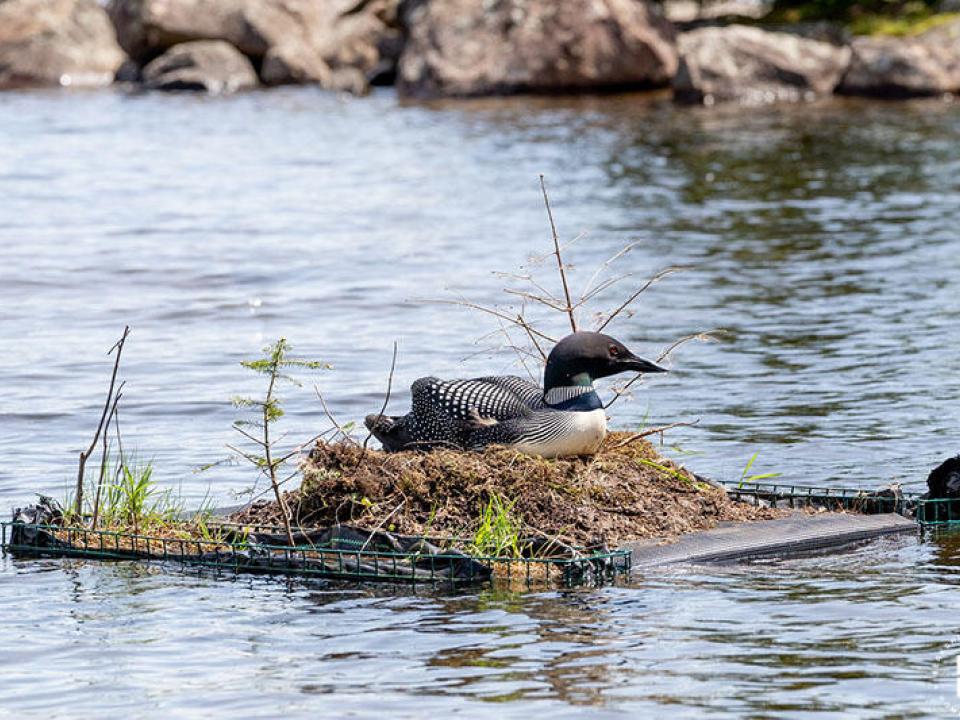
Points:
[(576, 398)]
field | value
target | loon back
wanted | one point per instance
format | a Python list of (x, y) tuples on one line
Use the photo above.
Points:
[(503, 410)]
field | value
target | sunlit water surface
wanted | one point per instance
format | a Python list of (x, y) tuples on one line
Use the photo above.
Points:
[(824, 239)]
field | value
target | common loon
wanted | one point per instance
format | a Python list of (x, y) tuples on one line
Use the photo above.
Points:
[(565, 417)]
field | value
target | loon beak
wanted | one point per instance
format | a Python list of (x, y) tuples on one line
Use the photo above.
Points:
[(638, 364)]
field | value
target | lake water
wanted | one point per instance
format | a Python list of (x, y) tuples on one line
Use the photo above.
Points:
[(823, 238)]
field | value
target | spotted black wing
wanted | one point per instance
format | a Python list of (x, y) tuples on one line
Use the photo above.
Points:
[(488, 398)]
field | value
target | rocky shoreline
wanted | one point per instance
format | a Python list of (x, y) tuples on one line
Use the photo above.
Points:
[(456, 48)]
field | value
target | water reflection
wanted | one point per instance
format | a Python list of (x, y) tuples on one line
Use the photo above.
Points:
[(823, 237)]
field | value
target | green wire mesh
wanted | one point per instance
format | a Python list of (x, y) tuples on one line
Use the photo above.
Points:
[(928, 513), (802, 496), (335, 563), (938, 513)]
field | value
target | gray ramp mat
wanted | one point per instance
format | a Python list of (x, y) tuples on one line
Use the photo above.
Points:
[(798, 533)]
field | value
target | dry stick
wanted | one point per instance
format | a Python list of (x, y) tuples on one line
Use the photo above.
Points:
[(654, 431), (536, 298), (620, 392), (607, 263), (556, 251), (496, 313), (380, 525), (330, 417), (626, 303), (520, 352), (530, 334), (528, 279), (706, 336), (118, 346), (116, 427), (383, 408), (103, 459), (605, 285)]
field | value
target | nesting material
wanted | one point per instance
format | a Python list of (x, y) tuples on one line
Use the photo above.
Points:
[(628, 491)]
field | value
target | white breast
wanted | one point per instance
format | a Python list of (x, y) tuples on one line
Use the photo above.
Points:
[(583, 435)]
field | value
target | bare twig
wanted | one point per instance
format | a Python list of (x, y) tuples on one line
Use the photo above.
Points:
[(605, 264), (706, 336), (556, 251), (621, 391), (300, 447), (536, 298), (496, 313), (629, 301), (531, 334), (528, 279), (383, 408), (84, 455), (116, 427), (103, 459), (381, 524), (654, 431), (330, 416), (521, 352)]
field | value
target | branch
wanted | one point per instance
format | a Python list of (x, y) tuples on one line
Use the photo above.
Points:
[(654, 431), (247, 435), (300, 447), (706, 336), (519, 351), (330, 417), (383, 408), (495, 313), (620, 392), (536, 298), (659, 276), (607, 263), (556, 251), (118, 346), (380, 525), (103, 458), (529, 279)]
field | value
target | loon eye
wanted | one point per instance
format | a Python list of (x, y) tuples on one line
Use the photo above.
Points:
[(614, 351)]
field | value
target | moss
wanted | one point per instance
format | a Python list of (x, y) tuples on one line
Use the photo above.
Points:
[(903, 26), (627, 491)]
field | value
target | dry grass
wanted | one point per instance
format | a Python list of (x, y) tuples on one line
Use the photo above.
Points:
[(623, 493)]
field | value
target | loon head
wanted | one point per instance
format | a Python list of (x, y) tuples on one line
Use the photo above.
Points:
[(582, 357)]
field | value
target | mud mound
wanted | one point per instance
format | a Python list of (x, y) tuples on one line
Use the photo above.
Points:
[(627, 491)]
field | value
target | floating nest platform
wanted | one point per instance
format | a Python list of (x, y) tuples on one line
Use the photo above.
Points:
[(365, 515)]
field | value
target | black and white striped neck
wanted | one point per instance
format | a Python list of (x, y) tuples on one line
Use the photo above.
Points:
[(573, 398)]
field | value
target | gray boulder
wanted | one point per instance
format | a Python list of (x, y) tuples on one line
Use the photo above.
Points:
[(754, 66), (296, 41), (928, 64), (211, 66), (56, 42), (488, 47)]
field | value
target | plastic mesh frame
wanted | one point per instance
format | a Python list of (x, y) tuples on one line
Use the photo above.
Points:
[(310, 560), (938, 513), (801, 496)]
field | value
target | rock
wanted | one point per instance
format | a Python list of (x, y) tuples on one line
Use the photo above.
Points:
[(295, 40), (56, 42), (292, 64), (147, 28), (485, 47), (928, 64), (212, 66), (753, 66)]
